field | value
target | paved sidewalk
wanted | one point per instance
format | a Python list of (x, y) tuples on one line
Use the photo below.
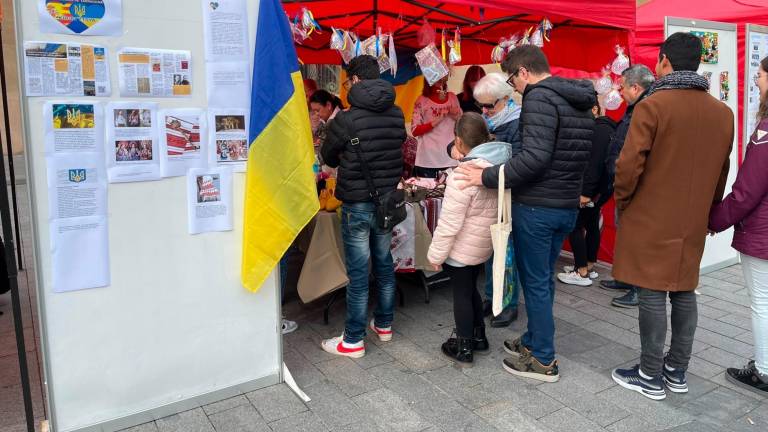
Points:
[(405, 385)]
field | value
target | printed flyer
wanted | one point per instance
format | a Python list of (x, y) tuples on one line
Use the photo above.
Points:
[(58, 69), (154, 73)]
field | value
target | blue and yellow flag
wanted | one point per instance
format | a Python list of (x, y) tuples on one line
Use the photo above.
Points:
[(280, 192)]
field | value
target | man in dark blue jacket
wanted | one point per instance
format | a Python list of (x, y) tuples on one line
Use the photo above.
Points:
[(635, 82), (556, 126)]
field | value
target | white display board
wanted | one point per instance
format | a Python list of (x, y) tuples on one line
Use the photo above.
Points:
[(718, 252), (756, 49), (175, 329)]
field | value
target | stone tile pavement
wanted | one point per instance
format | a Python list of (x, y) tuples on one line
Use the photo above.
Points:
[(406, 386)]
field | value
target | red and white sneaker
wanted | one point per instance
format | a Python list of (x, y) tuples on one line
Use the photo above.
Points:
[(385, 334), (339, 347)]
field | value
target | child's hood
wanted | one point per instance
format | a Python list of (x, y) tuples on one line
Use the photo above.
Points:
[(495, 152)]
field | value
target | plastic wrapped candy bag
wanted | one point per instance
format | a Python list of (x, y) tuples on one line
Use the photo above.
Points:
[(392, 55), (308, 22), (604, 84), (426, 34), (526, 39), (497, 54), (537, 38), (432, 66), (299, 34), (454, 48), (546, 29), (612, 100), (621, 62), (337, 39), (350, 46)]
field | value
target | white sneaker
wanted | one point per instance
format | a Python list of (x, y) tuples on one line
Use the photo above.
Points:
[(339, 347), (573, 278), (592, 274), (385, 334), (289, 326)]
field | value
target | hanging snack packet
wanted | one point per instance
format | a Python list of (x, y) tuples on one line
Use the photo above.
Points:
[(337, 39), (454, 56), (432, 66), (392, 55), (308, 22), (604, 84), (621, 62), (613, 99), (348, 52), (426, 34), (546, 29), (537, 38)]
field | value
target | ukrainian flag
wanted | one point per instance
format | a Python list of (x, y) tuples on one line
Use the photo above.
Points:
[(280, 192)]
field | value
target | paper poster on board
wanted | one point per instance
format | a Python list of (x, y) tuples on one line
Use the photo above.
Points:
[(73, 127), (81, 17), (228, 84), (150, 72), (757, 49), (60, 69), (228, 143), (132, 148), (183, 140), (77, 200), (209, 197), (225, 27)]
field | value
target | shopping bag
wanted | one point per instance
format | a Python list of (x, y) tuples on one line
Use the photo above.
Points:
[(500, 237)]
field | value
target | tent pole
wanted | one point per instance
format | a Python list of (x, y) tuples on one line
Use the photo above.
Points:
[(440, 11), (375, 16), (10, 257), (414, 19)]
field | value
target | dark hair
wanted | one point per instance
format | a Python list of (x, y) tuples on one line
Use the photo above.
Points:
[(324, 97), (597, 104), (530, 57), (366, 67), (474, 73), (683, 50), (472, 129), (762, 112)]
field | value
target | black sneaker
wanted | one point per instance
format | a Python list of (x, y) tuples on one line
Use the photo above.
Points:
[(674, 379), (527, 366), (459, 350), (505, 318), (748, 378), (628, 300), (614, 285), (480, 343), (652, 388)]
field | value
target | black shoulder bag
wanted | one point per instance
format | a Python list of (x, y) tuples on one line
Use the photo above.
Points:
[(390, 207)]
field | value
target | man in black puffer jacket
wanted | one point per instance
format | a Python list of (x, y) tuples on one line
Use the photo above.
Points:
[(379, 125), (556, 125)]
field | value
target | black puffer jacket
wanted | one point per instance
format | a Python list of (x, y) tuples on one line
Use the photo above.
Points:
[(556, 127), (596, 177), (617, 143), (380, 127)]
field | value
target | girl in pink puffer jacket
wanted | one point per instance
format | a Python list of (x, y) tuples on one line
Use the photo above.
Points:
[(462, 239)]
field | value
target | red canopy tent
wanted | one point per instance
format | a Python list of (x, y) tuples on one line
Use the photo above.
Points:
[(584, 36), (650, 30)]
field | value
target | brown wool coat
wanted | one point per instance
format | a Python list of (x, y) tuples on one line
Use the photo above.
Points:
[(672, 168)]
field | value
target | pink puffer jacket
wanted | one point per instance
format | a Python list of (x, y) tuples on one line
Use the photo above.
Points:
[(463, 232)]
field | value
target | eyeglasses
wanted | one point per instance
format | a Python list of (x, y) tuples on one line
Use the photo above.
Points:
[(513, 75), (487, 106)]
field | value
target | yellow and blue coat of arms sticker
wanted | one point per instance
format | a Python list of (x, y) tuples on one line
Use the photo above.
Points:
[(76, 15), (77, 175)]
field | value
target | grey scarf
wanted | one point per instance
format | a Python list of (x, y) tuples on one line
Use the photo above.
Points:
[(680, 80)]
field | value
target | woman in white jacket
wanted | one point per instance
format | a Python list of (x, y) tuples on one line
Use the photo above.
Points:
[(462, 239)]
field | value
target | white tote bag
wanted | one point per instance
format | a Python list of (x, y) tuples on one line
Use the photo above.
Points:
[(500, 236)]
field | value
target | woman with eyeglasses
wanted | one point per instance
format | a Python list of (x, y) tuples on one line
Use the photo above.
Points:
[(434, 117), (746, 208)]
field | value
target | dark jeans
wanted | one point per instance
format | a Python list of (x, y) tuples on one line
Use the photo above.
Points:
[(427, 172), (539, 233), (467, 304), (653, 329), (585, 237), (363, 240)]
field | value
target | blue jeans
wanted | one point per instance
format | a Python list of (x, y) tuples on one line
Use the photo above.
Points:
[(363, 240), (489, 284), (539, 233)]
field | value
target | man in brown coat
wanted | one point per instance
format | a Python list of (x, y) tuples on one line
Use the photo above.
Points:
[(672, 168)]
